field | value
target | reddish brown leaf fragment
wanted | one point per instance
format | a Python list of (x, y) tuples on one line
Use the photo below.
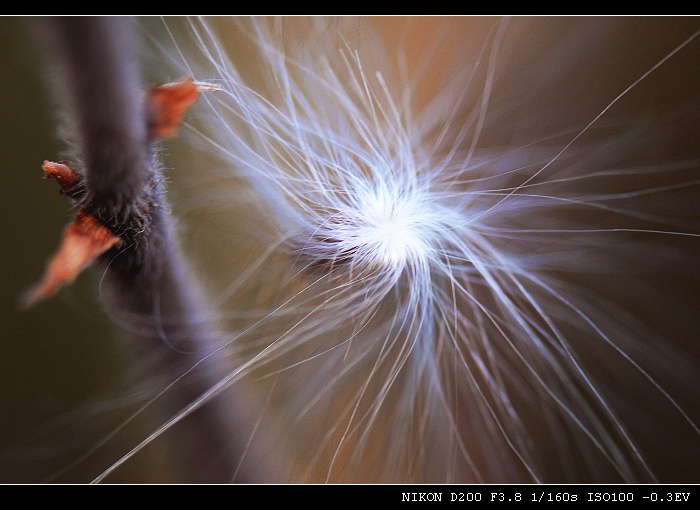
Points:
[(63, 174), (83, 241), (167, 105)]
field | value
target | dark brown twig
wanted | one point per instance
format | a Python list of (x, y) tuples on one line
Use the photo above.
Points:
[(167, 325)]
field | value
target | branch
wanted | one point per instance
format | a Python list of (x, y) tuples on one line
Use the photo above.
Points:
[(120, 190)]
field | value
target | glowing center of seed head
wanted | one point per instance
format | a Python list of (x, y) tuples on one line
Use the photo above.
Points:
[(395, 232)]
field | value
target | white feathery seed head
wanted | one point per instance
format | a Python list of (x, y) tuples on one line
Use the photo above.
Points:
[(414, 287)]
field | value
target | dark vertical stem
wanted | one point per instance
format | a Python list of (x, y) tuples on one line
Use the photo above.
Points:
[(166, 325), (103, 93)]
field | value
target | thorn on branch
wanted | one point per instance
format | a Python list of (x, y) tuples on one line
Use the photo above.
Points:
[(83, 241), (70, 182), (167, 105), (88, 237)]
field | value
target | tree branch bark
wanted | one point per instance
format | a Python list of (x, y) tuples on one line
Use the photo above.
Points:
[(167, 325)]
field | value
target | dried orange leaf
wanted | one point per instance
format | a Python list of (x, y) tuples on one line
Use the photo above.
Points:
[(63, 174), (83, 241), (167, 105)]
